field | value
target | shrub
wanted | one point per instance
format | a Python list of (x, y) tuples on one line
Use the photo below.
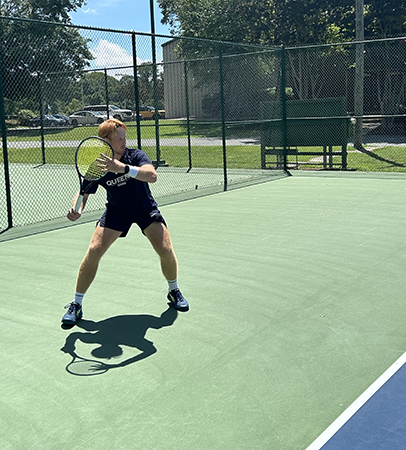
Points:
[(24, 117)]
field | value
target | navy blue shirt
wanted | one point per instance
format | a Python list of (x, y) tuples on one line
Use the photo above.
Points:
[(129, 196)]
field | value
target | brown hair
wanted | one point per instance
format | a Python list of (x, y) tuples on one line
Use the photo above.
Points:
[(108, 126)]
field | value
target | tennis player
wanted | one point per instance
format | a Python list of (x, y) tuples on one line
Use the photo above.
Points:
[(129, 201)]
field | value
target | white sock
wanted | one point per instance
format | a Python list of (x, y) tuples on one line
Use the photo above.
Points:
[(173, 284), (78, 297)]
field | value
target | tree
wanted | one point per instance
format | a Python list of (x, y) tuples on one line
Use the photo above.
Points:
[(31, 51), (263, 22), (310, 72), (90, 89), (55, 11), (385, 63), (267, 22), (276, 22), (385, 18)]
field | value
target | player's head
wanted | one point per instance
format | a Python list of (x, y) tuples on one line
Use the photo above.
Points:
[(107, 351), (108, 128)]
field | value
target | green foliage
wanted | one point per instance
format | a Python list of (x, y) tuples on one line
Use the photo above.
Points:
[(74, 105), (12, 107), (91, 89), (31, 49), (24, 117), (55, 11), (311, 72), (276, 22), (385, 18), (268, 22)]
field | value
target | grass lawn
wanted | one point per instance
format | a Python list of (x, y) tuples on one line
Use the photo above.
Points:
[(238, 157), (385, 159), (167, 129)]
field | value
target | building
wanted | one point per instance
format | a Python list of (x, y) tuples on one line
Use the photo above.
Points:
[(175, 86)]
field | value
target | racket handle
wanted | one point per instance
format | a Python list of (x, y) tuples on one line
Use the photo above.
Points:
[(78, 203)]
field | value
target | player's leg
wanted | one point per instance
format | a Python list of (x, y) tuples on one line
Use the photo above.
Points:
[(101, 240), (159, 236)]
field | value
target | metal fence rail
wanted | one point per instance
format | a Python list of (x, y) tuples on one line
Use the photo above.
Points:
[(209, 114)]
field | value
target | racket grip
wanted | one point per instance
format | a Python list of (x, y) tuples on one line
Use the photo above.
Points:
[(78, 203)]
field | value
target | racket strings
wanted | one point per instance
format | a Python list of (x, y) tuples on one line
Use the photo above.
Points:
[(86, 157), (86, 367)]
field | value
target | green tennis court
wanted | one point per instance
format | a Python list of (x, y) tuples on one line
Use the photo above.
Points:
[(296, 291)]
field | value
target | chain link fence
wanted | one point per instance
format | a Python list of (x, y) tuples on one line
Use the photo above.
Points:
[(210, 115)]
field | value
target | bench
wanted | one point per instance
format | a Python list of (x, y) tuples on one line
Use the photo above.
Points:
[(310, 123)]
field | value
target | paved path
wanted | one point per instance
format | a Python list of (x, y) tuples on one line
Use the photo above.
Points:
[(145, 142)]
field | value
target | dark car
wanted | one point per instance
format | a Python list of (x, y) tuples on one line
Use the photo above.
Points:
[(65, 119), (48, 121)]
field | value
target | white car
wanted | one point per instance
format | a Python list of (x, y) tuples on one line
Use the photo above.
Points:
[(86, 118), (114, 111)]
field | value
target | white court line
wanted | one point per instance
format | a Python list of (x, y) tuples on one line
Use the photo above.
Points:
[(354, 407)]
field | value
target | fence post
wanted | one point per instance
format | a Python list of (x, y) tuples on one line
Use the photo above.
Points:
[(284, 114), (154, 86), (359, 74), (41, 117), (106, 87), (189, 146), (137, 94), (223, 122), (5, 152)]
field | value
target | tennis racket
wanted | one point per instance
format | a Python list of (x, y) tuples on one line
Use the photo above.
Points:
[(86, 165)]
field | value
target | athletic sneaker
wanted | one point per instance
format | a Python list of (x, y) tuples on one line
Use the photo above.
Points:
[(178, 300), (74, 313)]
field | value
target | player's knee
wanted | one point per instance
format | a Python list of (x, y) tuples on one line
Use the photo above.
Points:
[(165, 251), (95, 251)]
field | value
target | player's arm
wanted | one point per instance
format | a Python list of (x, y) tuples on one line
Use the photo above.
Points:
[(72, 213), (145, 172)]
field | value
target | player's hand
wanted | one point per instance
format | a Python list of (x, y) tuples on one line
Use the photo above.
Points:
[(110, 164), (70, 349), (73, 214), (102, 367)]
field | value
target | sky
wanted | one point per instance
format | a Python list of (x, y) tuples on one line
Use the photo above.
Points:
[(112, 50), (120, 15)]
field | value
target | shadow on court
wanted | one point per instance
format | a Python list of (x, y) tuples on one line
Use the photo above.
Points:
[(111, 334)]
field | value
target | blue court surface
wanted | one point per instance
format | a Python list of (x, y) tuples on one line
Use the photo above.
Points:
[(376, 420)]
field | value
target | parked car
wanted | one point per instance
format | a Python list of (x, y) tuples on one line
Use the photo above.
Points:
[(86, 118), (114, 111), (135, 116), (148, 112), (65, 119), (48, 120)]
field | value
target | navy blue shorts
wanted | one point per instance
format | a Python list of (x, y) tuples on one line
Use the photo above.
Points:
[(115, 221)]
